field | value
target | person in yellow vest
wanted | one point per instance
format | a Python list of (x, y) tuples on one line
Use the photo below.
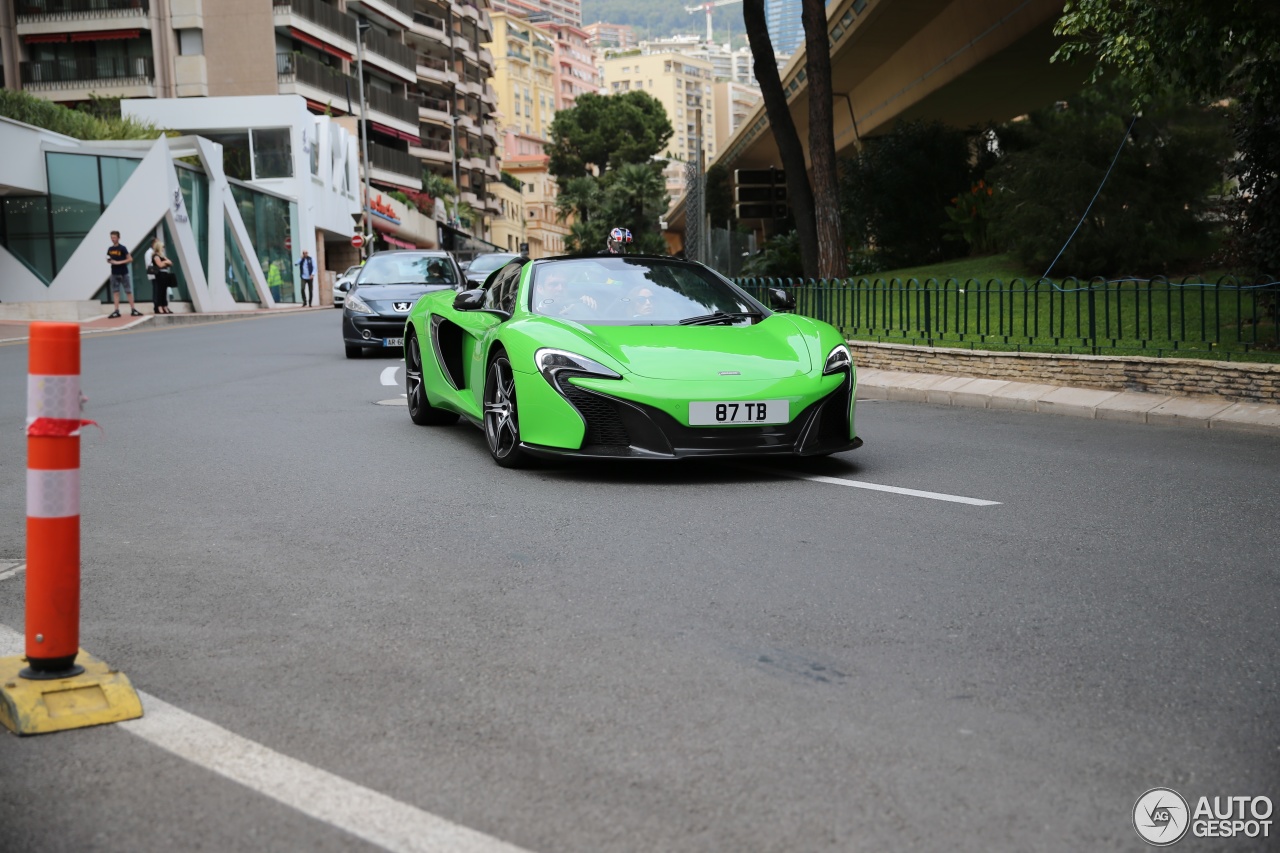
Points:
[(274, 280)]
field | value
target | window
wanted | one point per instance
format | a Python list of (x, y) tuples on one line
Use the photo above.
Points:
[(272, 155), (191, 42)]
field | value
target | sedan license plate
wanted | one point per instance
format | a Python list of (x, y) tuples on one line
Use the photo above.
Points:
[(755, 412), (393, 342)]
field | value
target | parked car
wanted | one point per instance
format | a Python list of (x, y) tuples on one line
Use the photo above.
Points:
[(386, 287), (628, 357), (343, 284), (481, 265)]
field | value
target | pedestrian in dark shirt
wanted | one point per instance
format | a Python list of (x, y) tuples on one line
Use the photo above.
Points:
[(121, 275), (307, 272)]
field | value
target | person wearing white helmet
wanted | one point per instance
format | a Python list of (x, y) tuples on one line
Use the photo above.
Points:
[(618, 238)]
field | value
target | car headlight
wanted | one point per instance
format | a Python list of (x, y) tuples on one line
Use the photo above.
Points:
[(554, 362), (358, 305), (837, 360)]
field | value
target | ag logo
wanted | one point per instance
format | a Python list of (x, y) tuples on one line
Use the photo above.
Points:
[(1161, 817)]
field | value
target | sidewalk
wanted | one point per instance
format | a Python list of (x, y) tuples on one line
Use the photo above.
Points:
[(1131, 406), (19, 330)]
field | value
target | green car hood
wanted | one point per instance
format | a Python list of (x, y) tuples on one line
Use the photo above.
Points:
[(771, 349)]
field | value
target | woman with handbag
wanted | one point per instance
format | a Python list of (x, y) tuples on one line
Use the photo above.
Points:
[(161, 275)]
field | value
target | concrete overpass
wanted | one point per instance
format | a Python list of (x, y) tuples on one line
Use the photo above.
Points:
[(962, 62)]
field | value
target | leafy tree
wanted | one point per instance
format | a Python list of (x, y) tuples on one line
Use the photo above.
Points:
[(894, 194), (799, 192), (460, 213), (580, 198), (779, 257), (1150, 213), (1213, 49), (633, 197), (602, 132)]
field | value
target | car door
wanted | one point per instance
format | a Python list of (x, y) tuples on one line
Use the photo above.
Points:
[(461, 338)]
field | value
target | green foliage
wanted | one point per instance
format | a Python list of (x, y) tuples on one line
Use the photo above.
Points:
[(513, 182), (603, 132), (100, 119), (1150, 214), (970, 215), (633, 197), (894, 194), (779, 257), (1214, 49), (400, 197), (659, 18), (438, 186)]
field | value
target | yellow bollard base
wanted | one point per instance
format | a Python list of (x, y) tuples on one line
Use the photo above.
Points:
[(98, 695)]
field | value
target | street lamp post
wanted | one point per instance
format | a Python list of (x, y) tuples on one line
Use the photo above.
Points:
[(361, 27), (454, 121)]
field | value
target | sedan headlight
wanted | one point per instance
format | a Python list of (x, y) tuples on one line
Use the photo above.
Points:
[(358, 305), (837, 360), (553, 362)]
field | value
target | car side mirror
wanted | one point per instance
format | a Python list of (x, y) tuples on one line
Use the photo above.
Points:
[(782, 300), (469, 300), (345, 286)]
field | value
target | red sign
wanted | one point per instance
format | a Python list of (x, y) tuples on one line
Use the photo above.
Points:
[(357, 240), (288, 243)]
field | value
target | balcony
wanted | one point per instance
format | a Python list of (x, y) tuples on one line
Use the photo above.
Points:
[(396, 107), (434, 150), (293, 68), (327, 18), (386, 52), (73, 79), (434, 68), (434, 109), (59, 17), (393, 13), (397, 167), (430, 23)]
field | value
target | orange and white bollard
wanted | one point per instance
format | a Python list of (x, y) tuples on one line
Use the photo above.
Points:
[(53, 502)]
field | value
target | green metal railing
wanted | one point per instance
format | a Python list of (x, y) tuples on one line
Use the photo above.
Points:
[(1228, 318)]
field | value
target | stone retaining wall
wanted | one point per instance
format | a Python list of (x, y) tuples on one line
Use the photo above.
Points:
[(1246, 382)]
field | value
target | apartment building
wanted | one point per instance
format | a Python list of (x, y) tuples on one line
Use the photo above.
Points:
[(523, 75), (575, 63), (683, 85), (524, 158), (604, 35), (558, 11), (70, 50), (733, 103), (786, 31)]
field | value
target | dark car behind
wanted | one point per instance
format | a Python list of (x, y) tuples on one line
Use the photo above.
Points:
[(478, 270)]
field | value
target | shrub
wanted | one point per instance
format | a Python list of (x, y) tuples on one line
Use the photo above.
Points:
[(98, 120), (1151, 213)]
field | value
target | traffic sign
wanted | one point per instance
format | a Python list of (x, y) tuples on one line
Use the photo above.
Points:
[(357, 241), (288, 243)]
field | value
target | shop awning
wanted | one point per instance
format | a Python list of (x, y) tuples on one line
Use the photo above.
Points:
[(45, 38), (398, 134), (399, 244), (318, 44), (106, 35), (320, 109)]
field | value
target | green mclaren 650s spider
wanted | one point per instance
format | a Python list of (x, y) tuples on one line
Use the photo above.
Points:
[(628, 357)]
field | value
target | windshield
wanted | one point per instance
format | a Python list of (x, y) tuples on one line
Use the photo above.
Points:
[(489, 263), (407, 268), (621, 291)]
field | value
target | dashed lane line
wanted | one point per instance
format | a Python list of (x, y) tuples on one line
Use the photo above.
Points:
[(364, 813), (9, 569), (860, 484)]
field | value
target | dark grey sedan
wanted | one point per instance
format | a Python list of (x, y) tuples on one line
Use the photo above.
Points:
[(478, 270), (376, 307)]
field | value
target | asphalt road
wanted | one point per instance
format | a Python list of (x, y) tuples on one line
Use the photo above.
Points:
[(691, 657)]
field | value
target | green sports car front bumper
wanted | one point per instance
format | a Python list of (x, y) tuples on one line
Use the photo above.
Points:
[(633, 418)]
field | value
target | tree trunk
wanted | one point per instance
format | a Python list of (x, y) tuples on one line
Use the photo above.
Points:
[(832, 259), (799, 193)]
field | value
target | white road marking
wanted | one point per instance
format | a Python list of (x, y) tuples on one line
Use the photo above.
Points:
[(859, 484), (9, 570), (389, 375), (364, 813)]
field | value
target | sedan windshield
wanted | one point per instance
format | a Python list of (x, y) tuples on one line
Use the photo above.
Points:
[(407, 268), (489, 263), (622, 291)]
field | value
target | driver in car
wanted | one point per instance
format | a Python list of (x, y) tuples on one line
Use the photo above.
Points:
[(553, 299)]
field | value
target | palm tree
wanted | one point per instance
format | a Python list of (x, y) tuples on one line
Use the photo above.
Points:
[(442, 188)]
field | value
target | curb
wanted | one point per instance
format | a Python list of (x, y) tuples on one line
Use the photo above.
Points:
[(158, 321), (1128, 406)]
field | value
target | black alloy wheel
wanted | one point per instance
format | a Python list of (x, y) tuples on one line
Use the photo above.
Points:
[(501, 420), (421, 412)]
